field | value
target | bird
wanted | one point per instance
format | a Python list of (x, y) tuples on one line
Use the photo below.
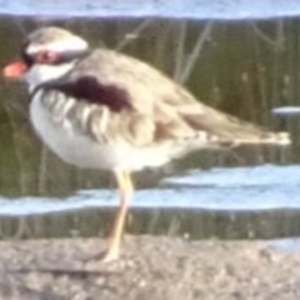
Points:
[(101, 109)]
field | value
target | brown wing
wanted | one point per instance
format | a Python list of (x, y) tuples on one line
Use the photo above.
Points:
[(145, 107)]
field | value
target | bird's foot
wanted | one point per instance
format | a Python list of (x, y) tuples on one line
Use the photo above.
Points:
[(106, 256), (109, 256)]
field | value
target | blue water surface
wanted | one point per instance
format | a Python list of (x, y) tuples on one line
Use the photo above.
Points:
[(193, 9), (246, 189)]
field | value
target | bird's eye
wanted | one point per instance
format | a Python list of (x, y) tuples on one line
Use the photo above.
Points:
[(46, 57)]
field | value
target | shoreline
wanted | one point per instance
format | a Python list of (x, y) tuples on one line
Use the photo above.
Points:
[(149, 268)]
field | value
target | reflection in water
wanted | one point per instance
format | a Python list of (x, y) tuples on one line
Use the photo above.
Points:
[(194, 224), (241, 69), (235, 189), (216, 203)]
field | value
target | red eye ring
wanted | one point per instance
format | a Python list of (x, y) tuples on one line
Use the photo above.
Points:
[(46, 57)]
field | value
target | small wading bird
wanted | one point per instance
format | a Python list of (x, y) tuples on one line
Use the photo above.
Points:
[(105, 110)]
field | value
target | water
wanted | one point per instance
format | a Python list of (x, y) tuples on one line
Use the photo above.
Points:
[(195, 9), (259, 202), (244, 68), (247, 189)]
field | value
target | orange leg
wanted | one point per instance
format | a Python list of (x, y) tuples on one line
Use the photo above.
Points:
[(125, 189)]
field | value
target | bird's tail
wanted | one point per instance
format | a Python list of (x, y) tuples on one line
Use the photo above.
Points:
[(225, 130)]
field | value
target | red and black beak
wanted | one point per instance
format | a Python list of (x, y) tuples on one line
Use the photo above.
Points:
[(15, 70)]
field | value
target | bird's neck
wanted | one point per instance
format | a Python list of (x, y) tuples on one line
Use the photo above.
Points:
[(41, 74)]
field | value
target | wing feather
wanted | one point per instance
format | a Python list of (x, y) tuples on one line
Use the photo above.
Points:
[(130, 100)]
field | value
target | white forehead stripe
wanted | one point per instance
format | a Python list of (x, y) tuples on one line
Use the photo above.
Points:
[(73, 44)]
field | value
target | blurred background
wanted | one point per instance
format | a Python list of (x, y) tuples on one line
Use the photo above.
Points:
[(244, 67)]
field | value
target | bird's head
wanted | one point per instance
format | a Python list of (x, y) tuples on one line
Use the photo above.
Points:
[(48, 54)]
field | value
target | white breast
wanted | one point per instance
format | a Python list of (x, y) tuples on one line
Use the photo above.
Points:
[(85, 152)]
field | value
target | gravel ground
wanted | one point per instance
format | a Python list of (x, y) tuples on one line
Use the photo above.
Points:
[(159, 268)]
